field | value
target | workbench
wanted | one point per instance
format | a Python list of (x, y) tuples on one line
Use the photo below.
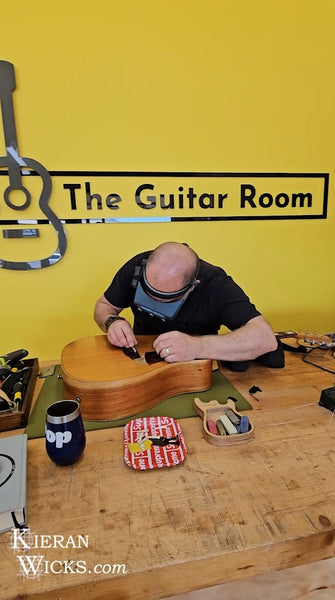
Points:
[(224, 514)]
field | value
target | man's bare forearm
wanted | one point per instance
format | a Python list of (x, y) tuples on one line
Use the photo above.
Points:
[(248, 342), (103, 310), (252, 340)]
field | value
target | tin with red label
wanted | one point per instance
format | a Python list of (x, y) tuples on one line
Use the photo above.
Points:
[(153, 443)]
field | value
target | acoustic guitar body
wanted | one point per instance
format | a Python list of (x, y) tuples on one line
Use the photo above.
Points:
[(113, 386)]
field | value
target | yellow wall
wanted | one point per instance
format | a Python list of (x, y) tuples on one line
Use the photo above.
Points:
[(212, 86)]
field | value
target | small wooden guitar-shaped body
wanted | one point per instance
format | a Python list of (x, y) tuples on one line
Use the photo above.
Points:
[(113, 386), (213, 410)]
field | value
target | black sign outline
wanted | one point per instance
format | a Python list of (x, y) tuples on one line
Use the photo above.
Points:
[(189, 174)]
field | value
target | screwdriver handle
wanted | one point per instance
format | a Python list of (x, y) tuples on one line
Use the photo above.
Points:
[(13, 356)]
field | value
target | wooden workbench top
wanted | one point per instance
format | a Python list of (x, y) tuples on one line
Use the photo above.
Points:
[(225, 513)]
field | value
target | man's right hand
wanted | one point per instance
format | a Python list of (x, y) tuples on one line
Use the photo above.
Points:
[(120, 334)]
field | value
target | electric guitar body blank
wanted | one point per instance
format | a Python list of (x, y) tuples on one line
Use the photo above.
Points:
[(113, 386)]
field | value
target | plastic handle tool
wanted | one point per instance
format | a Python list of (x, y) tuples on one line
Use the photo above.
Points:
[(212, 428), (220, 428), (233, 417), (244, 425), (229, 427)]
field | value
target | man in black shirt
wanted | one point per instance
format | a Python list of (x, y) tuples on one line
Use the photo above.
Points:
[(184, 301)]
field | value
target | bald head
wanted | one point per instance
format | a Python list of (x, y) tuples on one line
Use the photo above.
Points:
[(171, 266)]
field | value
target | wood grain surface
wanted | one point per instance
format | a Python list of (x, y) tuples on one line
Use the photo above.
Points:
[(113, 386), (225, 514)]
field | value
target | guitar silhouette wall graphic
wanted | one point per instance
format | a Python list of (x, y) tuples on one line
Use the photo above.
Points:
[(17, 166)]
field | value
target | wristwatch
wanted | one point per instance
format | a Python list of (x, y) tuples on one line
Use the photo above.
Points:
[(111, 320)]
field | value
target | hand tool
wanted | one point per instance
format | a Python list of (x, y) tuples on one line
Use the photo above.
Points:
[(12, 357)]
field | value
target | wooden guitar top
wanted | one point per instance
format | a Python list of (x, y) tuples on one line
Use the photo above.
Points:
[(113, 386), (95, 359)]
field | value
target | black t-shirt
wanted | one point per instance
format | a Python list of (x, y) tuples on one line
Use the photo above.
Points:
[(217, 300)]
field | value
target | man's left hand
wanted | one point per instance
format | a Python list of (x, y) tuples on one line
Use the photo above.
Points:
[(175, 346)]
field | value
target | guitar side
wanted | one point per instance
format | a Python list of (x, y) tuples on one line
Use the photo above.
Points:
[(112, 386)]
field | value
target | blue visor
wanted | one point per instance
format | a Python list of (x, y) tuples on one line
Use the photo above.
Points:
[(155, 308)]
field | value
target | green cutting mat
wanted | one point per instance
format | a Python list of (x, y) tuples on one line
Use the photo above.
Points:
[(179, 406)]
